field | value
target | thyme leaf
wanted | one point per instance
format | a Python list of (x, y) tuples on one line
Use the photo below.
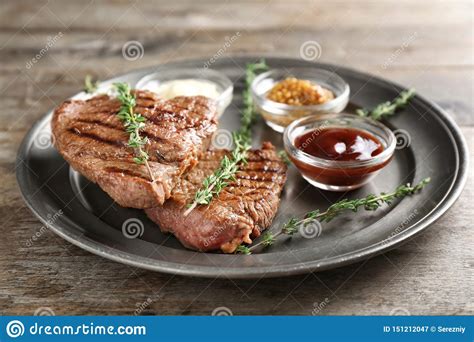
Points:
[(243, 250), (284, 157)]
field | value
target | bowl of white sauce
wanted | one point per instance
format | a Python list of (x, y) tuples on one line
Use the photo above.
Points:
[(170, 83)]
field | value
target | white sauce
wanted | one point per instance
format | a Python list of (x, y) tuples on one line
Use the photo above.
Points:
[(186, 87)]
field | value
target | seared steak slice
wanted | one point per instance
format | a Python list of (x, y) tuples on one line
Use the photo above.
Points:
[(92, 139), (239, 213)]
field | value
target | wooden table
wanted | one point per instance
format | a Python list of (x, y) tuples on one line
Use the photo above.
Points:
[(427, 45)]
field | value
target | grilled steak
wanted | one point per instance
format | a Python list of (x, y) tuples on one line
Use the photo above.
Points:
[(239, 213), (92, 139)]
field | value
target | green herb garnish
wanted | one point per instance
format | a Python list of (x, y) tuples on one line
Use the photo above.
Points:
[(284, 157), (241, 249), (248, 113), (370, 202), (133, 124), (90, 86), (388, 108), (213, 184)]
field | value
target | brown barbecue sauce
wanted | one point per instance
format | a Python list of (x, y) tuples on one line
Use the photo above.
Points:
[(339, 144), (343, 144)]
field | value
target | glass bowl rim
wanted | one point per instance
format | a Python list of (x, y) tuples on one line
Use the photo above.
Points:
[(307, 158), (263, 101)]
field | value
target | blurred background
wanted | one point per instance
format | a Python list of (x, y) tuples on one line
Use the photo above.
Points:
[(47, 48), (424, 44)]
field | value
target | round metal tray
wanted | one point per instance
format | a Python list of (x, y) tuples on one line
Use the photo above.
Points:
[(80, 212)]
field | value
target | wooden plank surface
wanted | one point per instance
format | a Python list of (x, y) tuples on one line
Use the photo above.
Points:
[(427, 45)]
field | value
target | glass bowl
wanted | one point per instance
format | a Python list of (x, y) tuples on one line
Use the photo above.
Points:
[(223, 84), (338, 175), (279, 115)]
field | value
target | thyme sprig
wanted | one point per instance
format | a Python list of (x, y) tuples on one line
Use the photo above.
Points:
[(248, 113), (90, 86), (213, 184), (370, 202), (388, 108), (133, 124)]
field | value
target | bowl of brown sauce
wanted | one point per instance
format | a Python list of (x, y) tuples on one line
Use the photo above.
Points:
[(339, 152)]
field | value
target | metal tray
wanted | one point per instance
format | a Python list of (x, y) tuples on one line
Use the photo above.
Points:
[(81, 213)]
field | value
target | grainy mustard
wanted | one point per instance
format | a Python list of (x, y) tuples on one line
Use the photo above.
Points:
[(296, 92)]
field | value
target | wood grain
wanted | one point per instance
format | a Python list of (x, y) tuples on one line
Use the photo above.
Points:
[(427, 45)]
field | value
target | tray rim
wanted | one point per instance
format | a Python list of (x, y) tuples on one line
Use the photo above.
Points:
[(131, 259)]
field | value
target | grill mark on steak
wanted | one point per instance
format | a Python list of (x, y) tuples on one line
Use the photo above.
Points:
[(96, 137), (238, 214), (114, 169), (100, 123), (153, 119), (90, 136), (118, 128)]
